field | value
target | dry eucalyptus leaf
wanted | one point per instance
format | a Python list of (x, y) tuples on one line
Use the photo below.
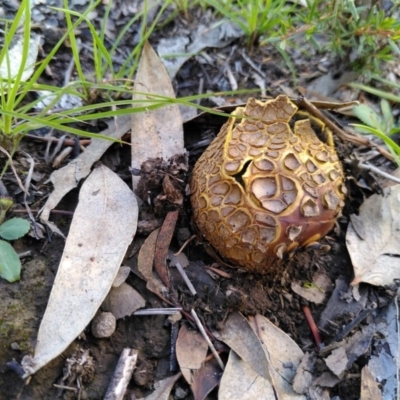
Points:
[(376, 255), (241, 338), (284, 356), (241, 382), (155, 133), (102, 228), (191, 350), (67, 178)]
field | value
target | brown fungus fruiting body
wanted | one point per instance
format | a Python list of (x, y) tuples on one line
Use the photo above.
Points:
[(267, 184)]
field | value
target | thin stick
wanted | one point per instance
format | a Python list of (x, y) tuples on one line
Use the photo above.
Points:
[(66, 142), (207, 339), (158, 311), (186, 279), (185, 244), (3, 150), (122, 375), (372, 168), (313, 326), (63, 387)]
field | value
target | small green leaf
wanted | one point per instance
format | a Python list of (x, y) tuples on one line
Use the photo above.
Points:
[(367, 115), (14, 228), (10, 264), (387, 114)]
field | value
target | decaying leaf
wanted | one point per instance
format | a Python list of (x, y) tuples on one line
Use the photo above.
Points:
[(376, 256), (191, 351), (284, 356), (241, 382), (155, 133), (67, 178), (146, 261), (103, 226), (241, 338), (206, 379)]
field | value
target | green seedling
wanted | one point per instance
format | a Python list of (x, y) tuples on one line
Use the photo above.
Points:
[(382, 125), (12, 229)]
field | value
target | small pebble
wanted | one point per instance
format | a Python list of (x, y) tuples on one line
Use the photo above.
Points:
[(103, 325)]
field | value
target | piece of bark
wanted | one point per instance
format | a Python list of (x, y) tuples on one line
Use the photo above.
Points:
[(122, 375)]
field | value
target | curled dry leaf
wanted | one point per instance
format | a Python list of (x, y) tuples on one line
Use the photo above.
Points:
[(163, 242), (102, 228), (376, 255), (146, 261), (155, 133)]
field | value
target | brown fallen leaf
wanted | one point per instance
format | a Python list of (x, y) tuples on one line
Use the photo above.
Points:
[(146, 261), (284, 356), (240, 337), (206, 379), (191, 351), (162, 246), (102, 228), (376, 255), (155, 133)]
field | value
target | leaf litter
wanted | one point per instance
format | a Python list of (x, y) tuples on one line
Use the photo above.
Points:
[(237, 331)]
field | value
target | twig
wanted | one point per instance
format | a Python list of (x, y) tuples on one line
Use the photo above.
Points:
[(353, 138), (372, 168), (66, 142), (186, 279), (122, 375), (207, 339), (158, 311), (185, 244), (63, 387), (13, 169), (313, 326)]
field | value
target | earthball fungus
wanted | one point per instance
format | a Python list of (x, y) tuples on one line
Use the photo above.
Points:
[(270, 182)]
